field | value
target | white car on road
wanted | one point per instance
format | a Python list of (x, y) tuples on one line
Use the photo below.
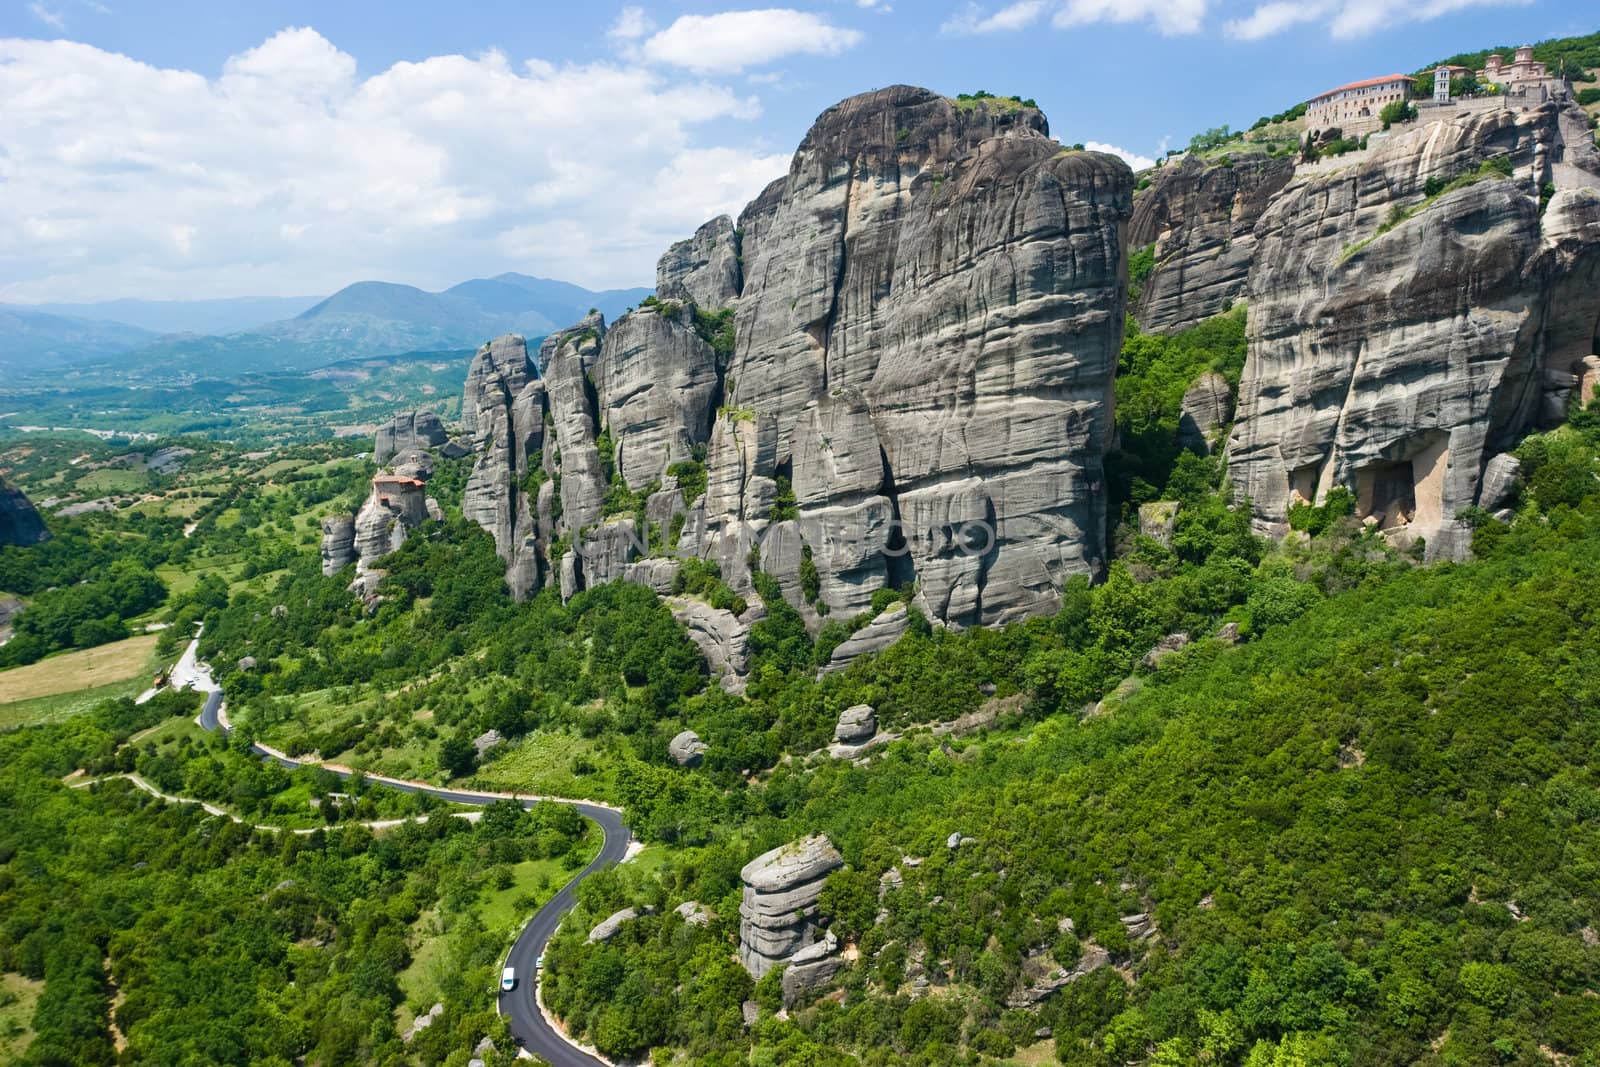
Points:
[(508, 979)]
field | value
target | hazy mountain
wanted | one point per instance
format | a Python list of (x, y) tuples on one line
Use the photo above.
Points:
[(188, 316), (31, 340), (382, 318)]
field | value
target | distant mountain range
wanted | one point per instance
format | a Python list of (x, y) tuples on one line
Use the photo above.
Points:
[(365, 319)]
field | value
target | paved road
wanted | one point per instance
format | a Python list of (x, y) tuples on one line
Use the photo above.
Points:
[(528, 1025)]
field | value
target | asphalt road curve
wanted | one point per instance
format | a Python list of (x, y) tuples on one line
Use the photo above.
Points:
[(527, 1022)]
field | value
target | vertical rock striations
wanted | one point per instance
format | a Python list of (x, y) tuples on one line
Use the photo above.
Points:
[(411, 431), (703, 270), (507, 401), (1406, 326), (338, 543), (1200, 216)]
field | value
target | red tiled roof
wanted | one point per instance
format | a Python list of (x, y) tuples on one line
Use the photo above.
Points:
[(1385, 80), (395, 479)]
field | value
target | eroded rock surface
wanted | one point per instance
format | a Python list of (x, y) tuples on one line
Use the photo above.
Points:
[(338, 543), (20, 523), (411, 431), (506, 399), (883, 631), (703, 269), (1200, 216), (1399, 340), (723, 639), (777, 913)]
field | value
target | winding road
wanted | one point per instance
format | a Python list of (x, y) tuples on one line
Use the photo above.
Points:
[(529, 1026)]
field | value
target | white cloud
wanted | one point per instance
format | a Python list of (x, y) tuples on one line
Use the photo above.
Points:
[(291, 173), (1347, 19), (1271, 19), (56, 20), (1171, 17), (972, 20), (733, 40), (632, 23), (1132, 159)]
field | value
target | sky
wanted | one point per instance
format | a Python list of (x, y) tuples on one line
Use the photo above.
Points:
[(190, 149)]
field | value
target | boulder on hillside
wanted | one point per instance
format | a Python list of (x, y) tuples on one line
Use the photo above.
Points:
[(687, 749)]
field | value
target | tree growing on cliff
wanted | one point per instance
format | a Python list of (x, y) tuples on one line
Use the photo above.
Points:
[(1397, 111)]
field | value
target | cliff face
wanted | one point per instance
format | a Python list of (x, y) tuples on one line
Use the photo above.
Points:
[(20, 523), (1399, 340), (929, 310), (1201, 217), (930, 318), (506, 401)]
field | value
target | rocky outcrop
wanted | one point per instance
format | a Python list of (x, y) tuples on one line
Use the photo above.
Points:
[(686, 749), (1200, 217), (722, 638), (857, 723), (929, 308), (20, 523), (930, 317), (338, 543), (412, 431), (657, 387), (704, 269), (565, 360), (507, 403), (608, 927), (695, 913), (1207, 406), (883, 631), (396, 506), (778, 910), (811, 968), (1403, 332), (1157, 520)]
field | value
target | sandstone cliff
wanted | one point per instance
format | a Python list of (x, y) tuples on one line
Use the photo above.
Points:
[(1413, 315), (1198, 218), (20, 523), (928, 313)]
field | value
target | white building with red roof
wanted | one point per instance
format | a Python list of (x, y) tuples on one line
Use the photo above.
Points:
[(1353, 109)]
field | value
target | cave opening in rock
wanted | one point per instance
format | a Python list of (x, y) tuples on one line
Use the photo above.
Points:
[(1386, 491)]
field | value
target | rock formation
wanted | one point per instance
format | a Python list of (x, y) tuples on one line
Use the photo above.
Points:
[(883, 631), (506, 401), (929, 311), (1200, 216), (1207, 406), (657, 385), (723, 639), (20, 523), (779, 906), (338, 543), (411, 431), (704, 269), (686, 749), (1404, 331), (856, 724), (396, 506), (944, 284)]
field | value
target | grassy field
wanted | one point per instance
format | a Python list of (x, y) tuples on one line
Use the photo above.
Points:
[(76, 674), (17, 998), (65, 705), (500, 910), (543, 763)]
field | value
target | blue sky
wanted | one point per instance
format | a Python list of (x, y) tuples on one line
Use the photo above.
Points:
[(191, 149)]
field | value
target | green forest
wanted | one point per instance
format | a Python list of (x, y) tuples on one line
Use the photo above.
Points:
[(1354, 820)]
